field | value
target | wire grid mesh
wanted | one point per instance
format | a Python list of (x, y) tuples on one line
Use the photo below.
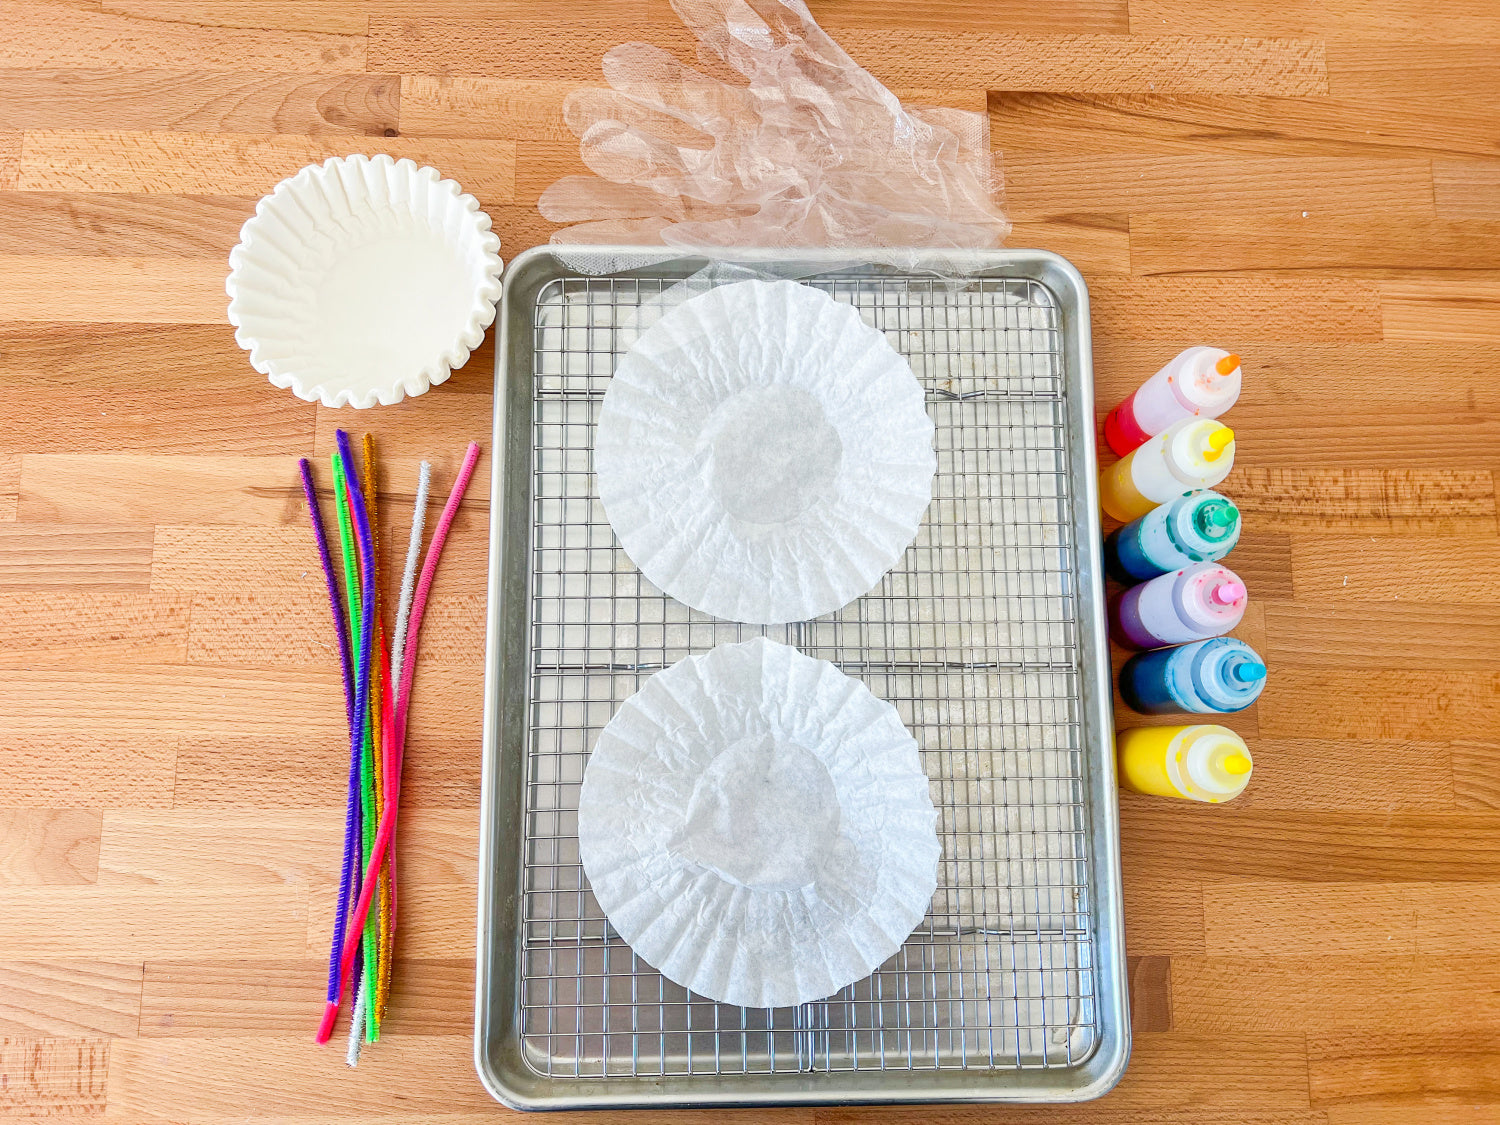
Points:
[(973, 637)]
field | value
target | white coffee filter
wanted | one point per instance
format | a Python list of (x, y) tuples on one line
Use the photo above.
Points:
[(757, 826), (363, 280), (763, 454)]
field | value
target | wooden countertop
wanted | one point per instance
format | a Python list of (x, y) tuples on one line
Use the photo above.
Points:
[(1315, 185)]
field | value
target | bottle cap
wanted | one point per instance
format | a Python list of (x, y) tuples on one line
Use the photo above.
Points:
[(1216, 519), (1228, 675), (1227, 593), (1205, 526), (1210, 597), (1210, 380), (1209, 763), (1247, 671), (1218, 441), (1199, 452)]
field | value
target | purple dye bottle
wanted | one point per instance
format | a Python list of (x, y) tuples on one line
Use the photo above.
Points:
[(1200, 601)]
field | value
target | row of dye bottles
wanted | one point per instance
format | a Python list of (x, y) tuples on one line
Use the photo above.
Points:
[(1180, 598)]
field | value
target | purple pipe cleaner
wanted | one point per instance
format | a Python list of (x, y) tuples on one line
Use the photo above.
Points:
[(349, 869)]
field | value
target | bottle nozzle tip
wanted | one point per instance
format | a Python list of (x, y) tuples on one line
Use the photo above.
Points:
[(1227, 593), (1218, 441), (1217, 518), (1237, 764), (1248, 672), (1227, 364)]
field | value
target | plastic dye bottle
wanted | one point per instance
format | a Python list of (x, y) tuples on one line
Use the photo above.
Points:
[(1200, 601), (1198, 527), (1206, 677), (1200, 383), (1194, 454), (1199, 763)]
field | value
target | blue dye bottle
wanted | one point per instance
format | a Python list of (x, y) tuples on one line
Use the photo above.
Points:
[(1206, 677), (1196, 527)]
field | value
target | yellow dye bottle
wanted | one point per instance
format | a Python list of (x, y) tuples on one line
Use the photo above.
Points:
[(1204, 762), (1197, 453)]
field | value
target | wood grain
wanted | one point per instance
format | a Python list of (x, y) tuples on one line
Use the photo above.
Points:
[(1328, 992), (58, 999), (1389, 634), (226, 772), (43, 847), (43, 1077), (251, 631), (1358, 703), (160, 290), (62, 487), (1387, 1067), (200, 101), (1150, 994), (52, 35), (1252, 310), (1360, 67), (1332, 775), (1197, 124), (1476, 781), (435, 1075), (1472, 20), (1313, 236), (10, 159), (1368, 501), (1369, 567), (239, 163), (1064, 62), (62, 629), (1239, 183), (1456, 312), (176, 699), (108, 360), (121, 225), (139, 923), (468, 106), (89, 771), (83, 557), (1466, 189), (1345, 846)]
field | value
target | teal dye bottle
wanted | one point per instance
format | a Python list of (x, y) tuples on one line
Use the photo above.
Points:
[(1197, 527)]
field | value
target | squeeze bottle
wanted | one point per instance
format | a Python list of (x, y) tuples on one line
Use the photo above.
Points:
[(1198, 527), (1198, 383), (1202, 763), (1192, 604), (1205, 677), (1197, 453)]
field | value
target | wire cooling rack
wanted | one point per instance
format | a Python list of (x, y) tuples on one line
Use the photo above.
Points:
[(974, 637)]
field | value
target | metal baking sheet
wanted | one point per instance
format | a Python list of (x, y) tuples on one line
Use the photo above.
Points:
[(988, 638)]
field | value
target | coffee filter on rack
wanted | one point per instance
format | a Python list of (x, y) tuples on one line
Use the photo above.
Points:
[(764, 455), (758, 827), (363, 280)]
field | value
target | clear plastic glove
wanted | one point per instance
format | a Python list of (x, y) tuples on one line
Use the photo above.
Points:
[(811, 151)]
